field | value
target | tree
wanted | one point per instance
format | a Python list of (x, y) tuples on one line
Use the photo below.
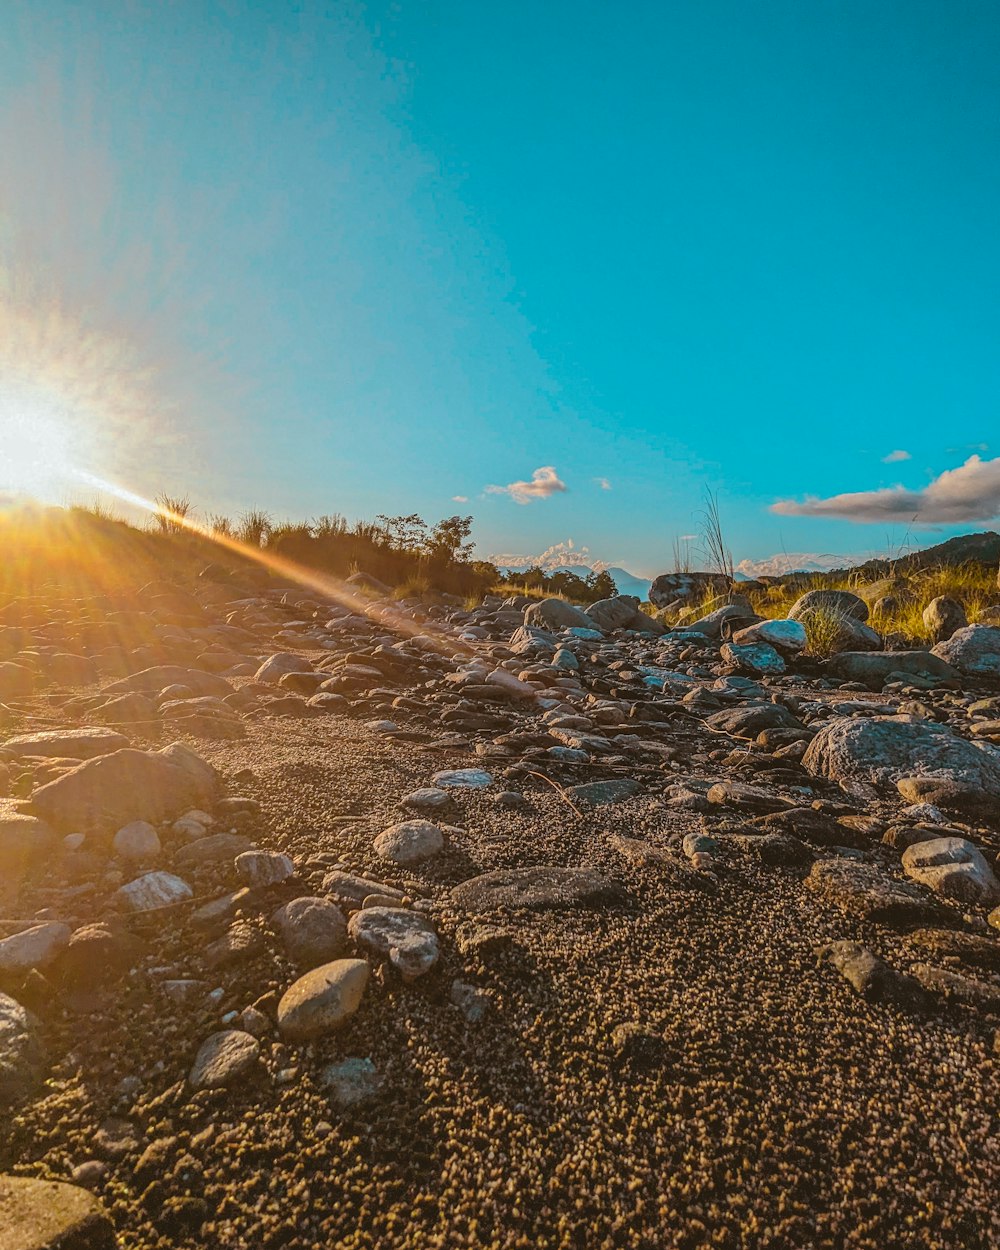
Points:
[(448, 540), (602, 585), (403, 533)]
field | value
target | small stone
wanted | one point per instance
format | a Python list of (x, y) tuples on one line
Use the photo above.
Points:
[(259, 869), (404, 937), (223, 1059), (471, 1001), (323, 999), (350, 1082), (152, 891), (427, 799), (872, 978), (313, 930), (409, 842), (463, 779), (138, 841)]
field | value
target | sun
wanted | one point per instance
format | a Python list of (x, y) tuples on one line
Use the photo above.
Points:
[(38, 453)]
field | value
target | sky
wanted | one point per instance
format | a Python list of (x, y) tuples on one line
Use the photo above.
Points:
[(561, 267)]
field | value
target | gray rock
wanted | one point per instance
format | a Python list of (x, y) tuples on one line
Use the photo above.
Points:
[(223, 1059), (623, 612), (68, 744), (959, 988), (323, 999), (36, 947), (151, 891), (137, 841), (950, 795), (313, 930), (943, 616), (749, 721), (602, 793), (756, 658), (405, 938), (871, 977), (463, 779), (259, 869), (350, 891), (21, 1055), (426, 799), (974, 651), (105, 793), (668, 588), (409, 842), (51, 1215), (350, 1082), (276, 667), (839, 602), (746, 798), (881, 750), (215, 849), (24, 840), (544, 888), (953, 867), (873, 667), (556, 614)]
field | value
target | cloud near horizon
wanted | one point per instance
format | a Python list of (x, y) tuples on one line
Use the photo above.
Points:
[(969, 493), (894, 457), (544, 482)]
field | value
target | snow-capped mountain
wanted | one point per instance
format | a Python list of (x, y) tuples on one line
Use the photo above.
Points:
[(568, 558)]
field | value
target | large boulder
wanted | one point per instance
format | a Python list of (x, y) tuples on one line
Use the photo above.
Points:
[(670, 588), (974, 650), (102, 794), (733, 617), (623, 612), (943, 616), (556, 614), (881, 750), (873, 667), (836, 602)]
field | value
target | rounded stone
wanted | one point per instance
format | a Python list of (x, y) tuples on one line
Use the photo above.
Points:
[(223, 1058), (323, 999), (313, 930), (409, 842)]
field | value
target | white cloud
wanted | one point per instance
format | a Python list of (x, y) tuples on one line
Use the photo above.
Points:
[(799, 562), (544, 482), (603, 483), (969, 493), (895, 456), (460, 499)]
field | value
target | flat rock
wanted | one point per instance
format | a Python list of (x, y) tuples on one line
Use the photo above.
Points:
[(51, 1215), (868, 892), (959, 988), (749, 721), (216, 848), (745, 798), (406, 938), (36, 947), (409, 842), (463, 779), (543, 888), (600, 793), (426, 799), (153, 680), (351, 891), (323, 999), (67, 744), (223, 1059), (871, 668)]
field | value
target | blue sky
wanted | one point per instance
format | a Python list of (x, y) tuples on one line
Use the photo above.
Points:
[(370, 258)]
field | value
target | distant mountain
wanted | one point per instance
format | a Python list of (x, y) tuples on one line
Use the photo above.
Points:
[(626, 583), (981, 548), (797, 562)]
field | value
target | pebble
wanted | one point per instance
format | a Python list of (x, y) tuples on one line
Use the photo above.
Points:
[(323, 999)]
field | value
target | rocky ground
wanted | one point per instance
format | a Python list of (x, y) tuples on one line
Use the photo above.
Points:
[(491, 928)]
